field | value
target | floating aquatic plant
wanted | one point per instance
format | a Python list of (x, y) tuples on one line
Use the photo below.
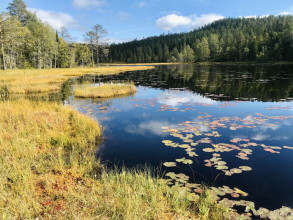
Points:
[(184, 160), (169, 164)]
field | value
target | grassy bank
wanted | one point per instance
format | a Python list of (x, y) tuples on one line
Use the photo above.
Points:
[(105, 90), (138, 64), (49, 80), (44, 148), (48, 170)]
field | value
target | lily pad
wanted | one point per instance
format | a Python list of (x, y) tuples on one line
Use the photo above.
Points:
[(238, 191), (235, 195), (236, 170), (172, 175), (169, 164), (286, 147), (209, 150), (198, 190), (245, 168), (184, 160), (222, 167)]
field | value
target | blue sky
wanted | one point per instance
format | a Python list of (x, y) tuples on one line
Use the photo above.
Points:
[(129, 19)]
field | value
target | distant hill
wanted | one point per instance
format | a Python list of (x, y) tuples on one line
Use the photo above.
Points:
[(232, 39)]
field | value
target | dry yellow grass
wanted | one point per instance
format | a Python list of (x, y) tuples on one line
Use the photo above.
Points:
[(37, 141), (48, 171), (105, 90), (48, 168), (48, 80), (138, 64)]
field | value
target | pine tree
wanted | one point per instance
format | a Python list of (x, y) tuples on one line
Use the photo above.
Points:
[(18, 9)]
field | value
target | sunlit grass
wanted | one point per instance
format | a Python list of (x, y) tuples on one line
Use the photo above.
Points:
[(105, 90), (48, 170), (48, 80), (38, 141), (138, 64)]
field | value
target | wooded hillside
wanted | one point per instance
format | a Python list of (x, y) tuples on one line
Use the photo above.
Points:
[(232, 39)]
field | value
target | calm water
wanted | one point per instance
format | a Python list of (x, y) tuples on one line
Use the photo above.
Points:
[(244, 98)]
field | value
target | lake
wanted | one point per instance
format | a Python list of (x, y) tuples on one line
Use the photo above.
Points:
[(229, 124)]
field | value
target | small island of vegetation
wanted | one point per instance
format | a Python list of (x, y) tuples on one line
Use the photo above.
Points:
[(105, 91)]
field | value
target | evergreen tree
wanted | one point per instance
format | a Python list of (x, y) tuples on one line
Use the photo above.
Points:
[(18, 9), (231, 39)]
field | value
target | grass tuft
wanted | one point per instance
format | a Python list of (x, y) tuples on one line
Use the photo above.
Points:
[(105, 90), (38, 141)]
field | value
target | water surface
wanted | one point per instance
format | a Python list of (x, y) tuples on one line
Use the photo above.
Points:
[(253, 102)]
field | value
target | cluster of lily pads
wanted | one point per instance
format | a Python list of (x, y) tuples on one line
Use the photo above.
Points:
[(188, 130), (279, 108), (202, 136), (193, 139)]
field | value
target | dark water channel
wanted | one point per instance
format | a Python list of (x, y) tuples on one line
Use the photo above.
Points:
[(240, 107)]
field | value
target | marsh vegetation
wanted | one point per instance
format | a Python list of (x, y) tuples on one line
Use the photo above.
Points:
[(105, 90), (49, 169), (192, 141)]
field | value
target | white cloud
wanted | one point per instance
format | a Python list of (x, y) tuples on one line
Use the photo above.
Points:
[(199, 21), (286, 13), (88, 4), (154, 127), (166, 98), (55, 19), (123, 16), (172, 21), (260, 137), (255, 16), (169, 22)]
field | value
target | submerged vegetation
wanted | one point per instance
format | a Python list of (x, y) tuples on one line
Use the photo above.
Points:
[(105, 90)]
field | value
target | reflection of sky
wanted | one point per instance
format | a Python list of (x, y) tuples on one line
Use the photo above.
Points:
[(134, 134), (171, 99), (152, 126), (266, 132)]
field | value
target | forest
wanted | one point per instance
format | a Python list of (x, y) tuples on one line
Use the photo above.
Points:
[(27, 42), (232, 39)]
